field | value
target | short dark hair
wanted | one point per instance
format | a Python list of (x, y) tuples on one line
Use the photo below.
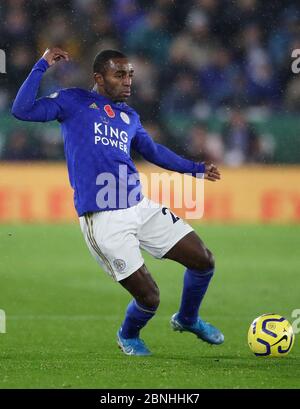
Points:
[(103, 57)]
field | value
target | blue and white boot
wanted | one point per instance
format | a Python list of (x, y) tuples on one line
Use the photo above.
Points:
[(202, 329), (132, 346)]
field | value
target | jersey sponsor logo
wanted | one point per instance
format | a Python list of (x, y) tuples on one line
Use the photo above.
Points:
[(119, 265), (106, 130), (125, 118), (107, 135), (109, 111)]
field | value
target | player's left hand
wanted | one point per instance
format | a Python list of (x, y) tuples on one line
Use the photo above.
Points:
[(55, 54), (212, 173)]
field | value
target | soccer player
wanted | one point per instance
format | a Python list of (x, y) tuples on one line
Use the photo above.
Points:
[(99, 129)]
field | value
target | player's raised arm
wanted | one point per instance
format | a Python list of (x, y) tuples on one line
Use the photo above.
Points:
[(167, 159), (53, 55), (26, 107)]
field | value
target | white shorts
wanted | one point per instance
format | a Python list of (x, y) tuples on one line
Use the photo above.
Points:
[(115, 237)]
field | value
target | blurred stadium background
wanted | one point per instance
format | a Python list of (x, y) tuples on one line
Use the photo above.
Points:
[(213, 81)]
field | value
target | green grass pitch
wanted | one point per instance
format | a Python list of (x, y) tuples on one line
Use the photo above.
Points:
[(62, 313)]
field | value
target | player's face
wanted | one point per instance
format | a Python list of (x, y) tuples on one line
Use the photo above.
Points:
[(117, 79)]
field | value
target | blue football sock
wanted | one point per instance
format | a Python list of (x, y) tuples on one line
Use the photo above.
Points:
[(195, 284), (136, 318)]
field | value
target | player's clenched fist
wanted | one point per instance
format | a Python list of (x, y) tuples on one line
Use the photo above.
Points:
[(53, 55)]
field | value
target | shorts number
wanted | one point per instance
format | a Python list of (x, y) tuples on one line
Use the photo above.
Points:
[(174, 218)]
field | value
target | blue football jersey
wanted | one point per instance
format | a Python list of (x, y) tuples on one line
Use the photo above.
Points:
[(98, 136)]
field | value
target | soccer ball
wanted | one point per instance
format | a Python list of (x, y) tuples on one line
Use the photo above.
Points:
[(271, 335)]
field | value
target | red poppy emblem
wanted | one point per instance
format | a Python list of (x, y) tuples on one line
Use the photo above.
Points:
[(109, 111)]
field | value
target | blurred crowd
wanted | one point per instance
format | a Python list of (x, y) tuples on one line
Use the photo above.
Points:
[(194, 60)]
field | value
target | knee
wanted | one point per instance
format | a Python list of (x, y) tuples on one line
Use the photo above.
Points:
[(210, 260), (206, 261), (151, 299)]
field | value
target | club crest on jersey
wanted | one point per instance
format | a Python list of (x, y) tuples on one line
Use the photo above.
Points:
[(125, 118), (109, 111), (104, 119)]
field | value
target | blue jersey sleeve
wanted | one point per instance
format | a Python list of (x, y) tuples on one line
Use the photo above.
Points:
[(162, 156), (28, 108)]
